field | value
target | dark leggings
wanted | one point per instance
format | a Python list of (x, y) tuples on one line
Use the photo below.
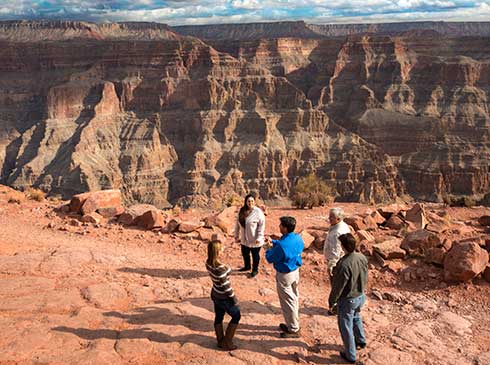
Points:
[(255, 257), (222, 306)]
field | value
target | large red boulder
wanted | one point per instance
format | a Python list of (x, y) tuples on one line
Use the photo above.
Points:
[(395, 222), (464, 262), (89, 202), (417, 216), (151, 219), (189, 226), (419, 242), (225, 220), (390, 249), (484, 220), (131, 215), (356, 222), (308, 239)]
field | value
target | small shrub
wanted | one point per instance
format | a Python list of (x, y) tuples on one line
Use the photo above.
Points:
[(232, 199), (458, 201), (36, 194), (311, 191)]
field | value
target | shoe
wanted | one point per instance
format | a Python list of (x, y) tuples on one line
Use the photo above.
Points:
[(218, 329), (253, 274), (290, 334), (283, 327), (344, 356), (228, 344), (243, 269), (361, 345)]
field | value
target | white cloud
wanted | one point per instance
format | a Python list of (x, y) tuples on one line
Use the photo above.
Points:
[(176, 12)]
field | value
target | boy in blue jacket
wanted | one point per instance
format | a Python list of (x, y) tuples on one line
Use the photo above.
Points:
[(285, 254)]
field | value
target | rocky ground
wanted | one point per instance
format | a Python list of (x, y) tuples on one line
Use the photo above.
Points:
[(102, 294)]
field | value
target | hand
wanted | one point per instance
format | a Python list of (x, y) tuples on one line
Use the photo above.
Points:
[(274, 236), (330, 270), (237, 240), (333, 310)]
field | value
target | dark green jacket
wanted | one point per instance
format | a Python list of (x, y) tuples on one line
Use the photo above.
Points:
[(350, 277)]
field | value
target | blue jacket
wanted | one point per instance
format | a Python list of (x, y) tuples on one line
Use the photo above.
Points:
[(285, 253)]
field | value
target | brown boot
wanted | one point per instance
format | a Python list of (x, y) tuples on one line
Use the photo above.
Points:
[(218, 329), (228, 344)]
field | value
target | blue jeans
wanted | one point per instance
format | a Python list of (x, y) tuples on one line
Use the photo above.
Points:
[(350, 324), (222, 306)]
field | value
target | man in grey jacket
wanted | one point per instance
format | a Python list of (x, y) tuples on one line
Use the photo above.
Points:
[(349, 283)]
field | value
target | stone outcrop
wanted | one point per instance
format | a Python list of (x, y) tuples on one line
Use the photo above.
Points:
[(419, 242), (464, 262)]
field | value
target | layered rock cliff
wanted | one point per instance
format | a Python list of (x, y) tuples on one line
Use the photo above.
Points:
[(169, 120), (423, 99)]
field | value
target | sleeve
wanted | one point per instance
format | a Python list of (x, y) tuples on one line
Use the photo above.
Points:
[(261, 228), (335, 252), (340, 279), (275, 254)]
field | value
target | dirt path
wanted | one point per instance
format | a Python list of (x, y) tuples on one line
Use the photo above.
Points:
[(86, 295)]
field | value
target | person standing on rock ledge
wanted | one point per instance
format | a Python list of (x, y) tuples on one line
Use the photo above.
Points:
[(249, 232), (223, 297), (285, 254), (348, 285), (332, 249)]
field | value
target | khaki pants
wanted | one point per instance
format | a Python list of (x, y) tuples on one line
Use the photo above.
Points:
[(287, 290)]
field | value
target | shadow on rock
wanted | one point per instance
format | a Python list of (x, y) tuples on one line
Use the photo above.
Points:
[(166, 273)]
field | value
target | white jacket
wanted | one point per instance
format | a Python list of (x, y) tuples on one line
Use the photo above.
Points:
[(253, 233), (332, 249)]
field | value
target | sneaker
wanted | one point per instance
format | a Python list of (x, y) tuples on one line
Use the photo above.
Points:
[(361, 345), (290, 334)]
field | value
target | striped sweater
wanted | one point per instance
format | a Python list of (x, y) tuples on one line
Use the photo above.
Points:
[(221, 284)]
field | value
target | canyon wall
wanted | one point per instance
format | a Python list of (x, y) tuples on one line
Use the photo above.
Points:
[(169, 118)]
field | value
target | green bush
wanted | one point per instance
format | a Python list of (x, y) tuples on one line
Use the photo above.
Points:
[(310, 191)]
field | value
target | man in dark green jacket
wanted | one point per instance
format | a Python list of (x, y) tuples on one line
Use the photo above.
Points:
[(349, 282)]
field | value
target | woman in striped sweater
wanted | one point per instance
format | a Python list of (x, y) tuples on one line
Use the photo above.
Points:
[(223, 297)]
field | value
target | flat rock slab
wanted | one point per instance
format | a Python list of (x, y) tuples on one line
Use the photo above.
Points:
[(106, 295)]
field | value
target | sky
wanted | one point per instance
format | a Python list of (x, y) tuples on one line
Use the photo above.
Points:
[(180, 12)]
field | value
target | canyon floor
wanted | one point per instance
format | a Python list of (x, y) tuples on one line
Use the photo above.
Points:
[(112, 295)]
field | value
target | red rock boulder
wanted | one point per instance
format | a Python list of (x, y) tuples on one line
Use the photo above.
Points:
[(89, 202), (464, 262), (390, 249), (111, 211), (308, 239), (378, 218), (225, 220), (131, 215), (484, 220), (189, 226), (171, 226), (395, 222), (151, 219), (356, 222), (417, 216), (419, 242)]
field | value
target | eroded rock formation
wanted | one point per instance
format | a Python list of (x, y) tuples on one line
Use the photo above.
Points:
[(166, 118)]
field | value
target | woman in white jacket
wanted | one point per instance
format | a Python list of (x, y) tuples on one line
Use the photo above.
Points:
[(249, 232)]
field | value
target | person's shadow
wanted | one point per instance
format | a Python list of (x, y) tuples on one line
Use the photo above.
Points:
[(154, 315)]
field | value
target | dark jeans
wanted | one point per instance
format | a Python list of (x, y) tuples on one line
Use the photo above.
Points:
[(255, 257), (222, 306)]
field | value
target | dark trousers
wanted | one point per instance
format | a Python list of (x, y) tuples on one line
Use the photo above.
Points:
[(222, 306), (255, 257)]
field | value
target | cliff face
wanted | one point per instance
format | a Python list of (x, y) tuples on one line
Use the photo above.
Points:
[(169, 118), (423, 99)]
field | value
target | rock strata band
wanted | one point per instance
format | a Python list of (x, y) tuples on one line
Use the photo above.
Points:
[(348, 271)]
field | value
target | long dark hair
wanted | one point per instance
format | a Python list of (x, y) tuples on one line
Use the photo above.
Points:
[(242, 214)]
